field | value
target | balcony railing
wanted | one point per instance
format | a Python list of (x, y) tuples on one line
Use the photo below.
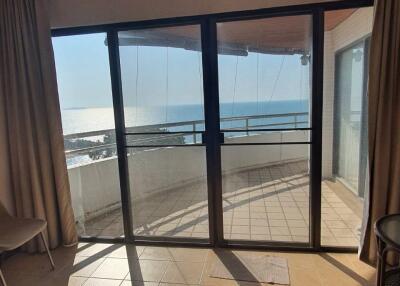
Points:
[(101, 143)]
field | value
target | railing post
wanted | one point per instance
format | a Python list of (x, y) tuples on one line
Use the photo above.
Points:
[(247, 126), (194, 134)]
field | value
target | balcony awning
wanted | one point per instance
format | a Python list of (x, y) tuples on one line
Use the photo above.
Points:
[(280, 35)]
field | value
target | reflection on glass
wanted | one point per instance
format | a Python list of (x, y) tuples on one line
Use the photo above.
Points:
[(345, 148), (169, 192), (349, 97), (162, 79), (341, 208), (266, 192), (264, 83), (84, 87), (264, 72), (161, 72)]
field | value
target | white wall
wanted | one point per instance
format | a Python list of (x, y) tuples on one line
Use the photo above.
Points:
[(357, 26), (70, 13)]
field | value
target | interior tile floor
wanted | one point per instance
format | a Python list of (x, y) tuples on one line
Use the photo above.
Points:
[(114, 264), (269, 204)]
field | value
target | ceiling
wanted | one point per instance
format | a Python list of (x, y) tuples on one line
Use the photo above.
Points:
[(276, 35)]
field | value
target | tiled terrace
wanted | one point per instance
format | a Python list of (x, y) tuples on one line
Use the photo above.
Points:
[(269, 203)]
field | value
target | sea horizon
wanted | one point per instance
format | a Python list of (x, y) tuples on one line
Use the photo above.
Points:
[(85, 119)]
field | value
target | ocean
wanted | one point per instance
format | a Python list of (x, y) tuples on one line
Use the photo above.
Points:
[(77, 120), (80, 120)]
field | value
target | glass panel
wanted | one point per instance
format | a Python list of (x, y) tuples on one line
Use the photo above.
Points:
[(350, 85), (266, 192), (162, 79), (169, 191), (265, 83), (265, 72), (84, 87), (344, 125), (162, 88)]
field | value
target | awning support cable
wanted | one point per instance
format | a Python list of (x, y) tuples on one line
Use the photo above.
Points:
[(166, 86), (136, 86), (275, 84), (234, 88)]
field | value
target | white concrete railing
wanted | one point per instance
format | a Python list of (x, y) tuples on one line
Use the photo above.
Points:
[(95, 186)]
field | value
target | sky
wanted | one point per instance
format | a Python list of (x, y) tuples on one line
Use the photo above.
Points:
[(157, 76)]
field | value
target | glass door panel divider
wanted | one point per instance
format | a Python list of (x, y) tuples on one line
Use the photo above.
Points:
[(316, 135), (210, 78), (112, 40)]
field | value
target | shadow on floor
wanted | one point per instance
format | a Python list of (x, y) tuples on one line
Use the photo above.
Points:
[(236, 268)]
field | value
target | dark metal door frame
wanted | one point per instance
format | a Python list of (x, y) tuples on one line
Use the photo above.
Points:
[(211, 103), (316, 133)]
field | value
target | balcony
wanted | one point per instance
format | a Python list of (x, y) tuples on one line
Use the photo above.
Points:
[(265, 194)]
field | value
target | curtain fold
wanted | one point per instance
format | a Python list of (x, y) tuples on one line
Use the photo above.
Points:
[(33, 133), (383, 122)]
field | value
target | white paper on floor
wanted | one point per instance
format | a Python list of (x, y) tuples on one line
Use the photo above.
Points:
[(252, 268)]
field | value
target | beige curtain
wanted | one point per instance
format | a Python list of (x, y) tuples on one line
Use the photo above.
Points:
[(33, 134), (383, 121)]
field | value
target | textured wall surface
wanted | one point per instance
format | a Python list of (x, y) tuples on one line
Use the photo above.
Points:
[(69, 13)]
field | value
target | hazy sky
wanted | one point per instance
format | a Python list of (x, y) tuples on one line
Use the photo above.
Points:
[(170, 76)]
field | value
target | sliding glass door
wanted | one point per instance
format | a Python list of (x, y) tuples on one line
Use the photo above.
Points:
[(264, 101), (162, 87), (84, 86), (212, 135)]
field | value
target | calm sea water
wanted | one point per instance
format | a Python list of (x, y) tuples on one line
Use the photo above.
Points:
[(90, 119), (93, 119)]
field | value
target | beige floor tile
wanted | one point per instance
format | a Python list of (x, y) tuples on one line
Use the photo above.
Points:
[(86, 266), (300, 231), (156, 253), (259, 230), (76, 281), (240, 229), (279, 230), (147, 270), (259, 222), (262, 237), (189, 254), (296, 223), (239, 236), (90, 249), (275, 237), (112, 268), (277, 222), (183, 273), (102, 282), (128, 250), (138, 283), (336, 224), (241, 221), (276, 216)]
